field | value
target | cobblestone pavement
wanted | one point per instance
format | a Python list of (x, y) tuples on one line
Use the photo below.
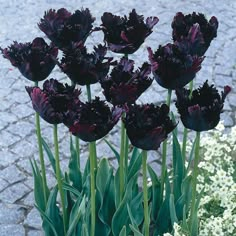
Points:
[(18, 21)]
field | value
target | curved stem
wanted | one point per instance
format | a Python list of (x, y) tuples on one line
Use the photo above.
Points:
[(77, 150), (89, 92), (92, 156), (145, 193), (185, 129), (41, 157), (122, 158), (126, 152), (164, 152), (195, 174), (58, 176)]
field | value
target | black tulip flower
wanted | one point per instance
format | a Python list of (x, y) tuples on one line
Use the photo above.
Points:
[(182, 24), (125, 35), (125, 85), (64, 28), (34, 60), (173, 67), (53, 101), (201, 111), (92, 120), (86, 68), (148, 125)]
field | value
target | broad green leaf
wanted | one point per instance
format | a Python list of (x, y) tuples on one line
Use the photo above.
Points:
[(77, 212), (71, 189), (173, 216), (156, 191), (135, 166), (44, 216), (75, 174), (178, 167), (134, 156), (121, 215), (135, 231), (85, 230), (117, 187), (117, 155), (53, 213), (191, 156), (175, 131), (50, 155), (38, 186), (123, 231)]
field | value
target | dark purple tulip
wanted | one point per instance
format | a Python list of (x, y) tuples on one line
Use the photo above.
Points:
[(148, 125), (34, 60), (125, 35), (182, 24), (202, 111), (92, 120), (125, 85), (63, 28), (85, 68), (173, 67), (53, 101)]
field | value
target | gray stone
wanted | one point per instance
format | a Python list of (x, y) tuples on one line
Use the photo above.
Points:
[(11, 213), (8, 139), (12, 230), (11, 174), (33, 219), (24, 149), (3, 184), (35, 233), (22, 128), (7, 157), (22, 110), (14, 193)]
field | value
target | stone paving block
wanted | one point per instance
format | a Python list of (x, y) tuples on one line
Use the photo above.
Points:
[(22, 128), (13, 193), (33, 219), (12, 174), (35, 233), (12, 230), (8, 117), (7, 157), (3, 184), (8, 139), (11, 213), (24, 149), (22, 110)]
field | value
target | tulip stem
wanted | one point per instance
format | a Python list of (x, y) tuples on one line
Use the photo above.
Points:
[(89, 92), (145, 193), (59, 180), (92, 156), (41, 157), (194, 182), (164, 152), (122, 158), (185, 129), (126, 152), (77, 150)]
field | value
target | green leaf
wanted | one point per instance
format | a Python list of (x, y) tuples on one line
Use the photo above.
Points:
[(134, 166), (75, 174), (44, 216), (156, 193), (117, 187), (117, 155), (71, 189), (178, 167), (50, 155), (121, 216), (135, 231), (77, 212), (175, 131), (85, 230), (123, 231), (191, 156), (173, 216), (38, 186), (53, 213)]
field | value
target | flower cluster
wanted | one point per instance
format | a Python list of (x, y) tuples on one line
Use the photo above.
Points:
[(34, 60), (64, 28)]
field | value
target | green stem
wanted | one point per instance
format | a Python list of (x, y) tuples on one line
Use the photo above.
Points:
[(145, 193), (58, 176), (122, 158), (92, 156), (41, 158), (89, 92), (77, 150), (185, 129), (164, 152), (126, 152), (195, 174)]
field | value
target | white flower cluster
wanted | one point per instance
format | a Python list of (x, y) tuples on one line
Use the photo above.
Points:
[(217, 176)]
